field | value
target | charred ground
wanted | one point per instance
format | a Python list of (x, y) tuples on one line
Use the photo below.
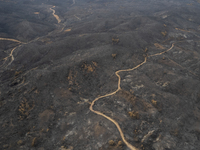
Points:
[(60, 68)]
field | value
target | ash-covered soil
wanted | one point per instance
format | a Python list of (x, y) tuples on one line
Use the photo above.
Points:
[(52, 73)]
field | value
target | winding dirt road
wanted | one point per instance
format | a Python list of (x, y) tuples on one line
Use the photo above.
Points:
[(98, 98), (22, 43), (119, 88), (7, 39), (56, 16), (11, 53)]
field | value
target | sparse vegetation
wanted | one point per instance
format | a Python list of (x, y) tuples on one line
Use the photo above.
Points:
[(164, 33), (174, 132), (114, 145), (158, 46), (128, 96), (114, 56), (17, 73), (20, 142), (111, 143), (25, 108), (89, 67), (154, 102), (115, 40), (134, 114), (72, 77)]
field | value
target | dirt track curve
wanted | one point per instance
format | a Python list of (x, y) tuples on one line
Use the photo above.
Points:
[(56, 16), (119, 88), (131, 147), (22, 43), (7, 39)]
